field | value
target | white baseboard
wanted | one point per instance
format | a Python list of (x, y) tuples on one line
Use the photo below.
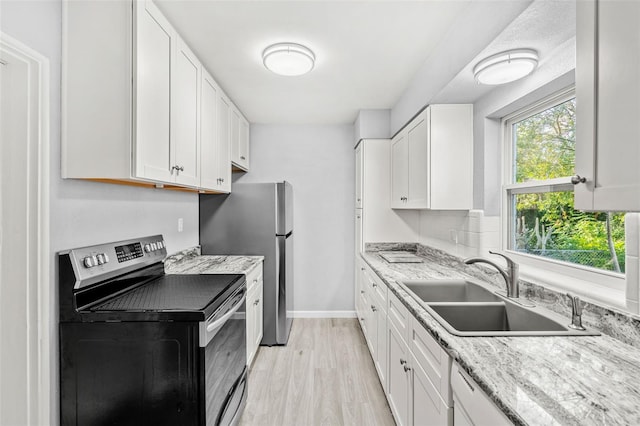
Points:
[(323, 314)]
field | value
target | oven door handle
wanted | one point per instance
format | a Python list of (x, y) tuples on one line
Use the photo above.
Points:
[(218, 323)]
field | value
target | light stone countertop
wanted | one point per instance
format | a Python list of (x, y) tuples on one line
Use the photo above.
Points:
[(550, 380), (191, 262)]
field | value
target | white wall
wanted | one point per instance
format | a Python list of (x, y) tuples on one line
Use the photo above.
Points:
[(319, 163), (84, 213)]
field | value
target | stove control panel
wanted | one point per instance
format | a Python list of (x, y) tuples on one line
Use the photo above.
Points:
[(95, 263)]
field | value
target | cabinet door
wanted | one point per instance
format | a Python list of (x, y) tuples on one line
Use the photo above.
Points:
[(243, 144), (382, 348), (234, 128), (224, 139), (419, 168), (398, 382), (359, 244), (258, 325), (154, 53), (209, 159), (427, 408), (399, 171), (460, 417), (359, 174), (185, 115), (608, 106)]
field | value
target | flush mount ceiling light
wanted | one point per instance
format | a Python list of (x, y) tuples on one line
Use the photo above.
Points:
[(288, 59), (506, 67)]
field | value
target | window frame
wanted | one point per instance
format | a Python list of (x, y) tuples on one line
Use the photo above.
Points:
[(598, 284)]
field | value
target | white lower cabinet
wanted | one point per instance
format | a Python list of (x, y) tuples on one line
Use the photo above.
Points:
[(471, 405), (254, 305), (371, 307), (413, 394), (423, 386)]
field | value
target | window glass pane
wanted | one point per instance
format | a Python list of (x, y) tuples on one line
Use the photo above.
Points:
[(544, 144), (545, 224)]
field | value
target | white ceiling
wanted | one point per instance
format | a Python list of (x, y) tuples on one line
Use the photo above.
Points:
[(543, 26), (367, 51)]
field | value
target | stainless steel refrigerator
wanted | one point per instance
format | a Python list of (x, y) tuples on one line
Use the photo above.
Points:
[(257, 219)]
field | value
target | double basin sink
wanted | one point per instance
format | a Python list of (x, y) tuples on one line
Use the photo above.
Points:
[(467, 308)]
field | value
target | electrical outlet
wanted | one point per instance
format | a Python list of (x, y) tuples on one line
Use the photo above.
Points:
[(180, 224)]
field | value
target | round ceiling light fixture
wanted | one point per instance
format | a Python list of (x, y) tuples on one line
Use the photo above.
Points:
[(288, 59), (506, 67)]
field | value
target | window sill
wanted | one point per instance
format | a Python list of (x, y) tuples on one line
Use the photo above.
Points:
[(600, 288)]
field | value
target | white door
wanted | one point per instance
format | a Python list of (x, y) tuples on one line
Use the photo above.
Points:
[(184, 112), (418, 162), (154, 65), (224, 143), (24, 244), (243, 147), (398, 383), (359, 173), (209, 170), (608, 106), (399, 171)]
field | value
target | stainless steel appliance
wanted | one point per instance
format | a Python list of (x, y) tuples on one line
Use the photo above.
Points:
[(257, 219), (138, 347)]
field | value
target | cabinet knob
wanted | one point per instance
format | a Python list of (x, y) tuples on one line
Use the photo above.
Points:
[(373, 308), (358, 199), (361, 291), (374, 285), (221, 180), (407, 368), (242, 157), (256, 302), (578, 179), (403, 361)]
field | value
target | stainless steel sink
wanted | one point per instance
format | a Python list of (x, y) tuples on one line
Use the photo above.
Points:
[(467, 308), (450, 291)]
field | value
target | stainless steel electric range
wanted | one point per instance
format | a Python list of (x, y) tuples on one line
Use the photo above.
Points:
[(138, 347)]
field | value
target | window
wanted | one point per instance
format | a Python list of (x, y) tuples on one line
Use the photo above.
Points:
[(539, 195)]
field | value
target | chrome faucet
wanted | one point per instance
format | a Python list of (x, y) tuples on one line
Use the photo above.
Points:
[(510, 277)]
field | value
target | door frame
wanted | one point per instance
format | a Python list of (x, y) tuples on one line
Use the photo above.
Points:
[(38, 234)]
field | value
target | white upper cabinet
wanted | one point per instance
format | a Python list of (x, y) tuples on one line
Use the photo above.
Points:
[(432, 160), (399, 170), (359, 161), (215, 163), (155, 40), (239, 140), (185, 108), (608, 106), (136, 102)]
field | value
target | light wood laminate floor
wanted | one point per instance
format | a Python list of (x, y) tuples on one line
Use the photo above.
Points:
[(324, 376)]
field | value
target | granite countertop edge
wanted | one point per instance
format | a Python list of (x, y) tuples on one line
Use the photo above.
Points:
[(453, 345), (191, 261)]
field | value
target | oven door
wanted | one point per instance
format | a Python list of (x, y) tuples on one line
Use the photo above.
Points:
[(225, 357)]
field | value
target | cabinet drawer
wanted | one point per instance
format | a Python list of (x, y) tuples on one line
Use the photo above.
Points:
[(473, 401), (432, 358), (254, 277), (398, 315)]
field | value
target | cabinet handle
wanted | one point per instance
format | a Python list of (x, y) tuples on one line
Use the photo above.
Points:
[(256, 302), (403, 361), (242, 157), (466, 381), (177, 169), (578, 179), (406, 368)]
